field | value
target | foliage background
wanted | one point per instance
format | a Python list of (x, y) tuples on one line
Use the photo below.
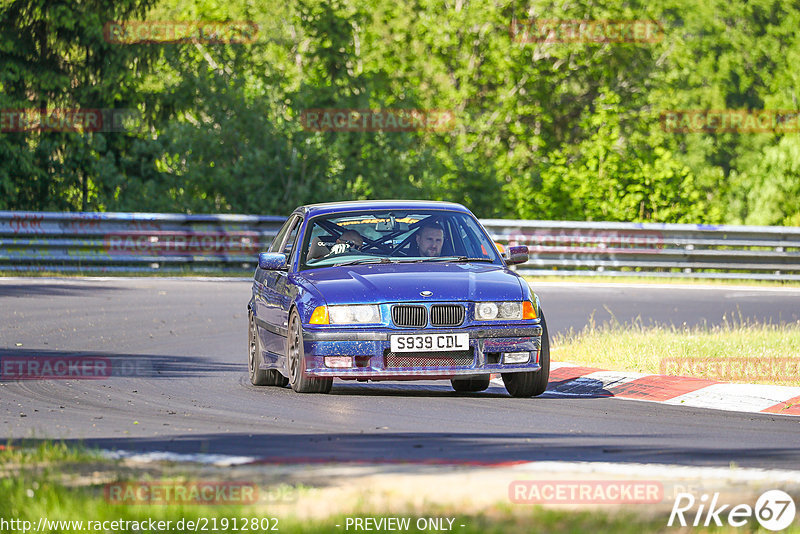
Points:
[(544, 130)]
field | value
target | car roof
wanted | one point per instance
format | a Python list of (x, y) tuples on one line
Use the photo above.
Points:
[(356, 205)]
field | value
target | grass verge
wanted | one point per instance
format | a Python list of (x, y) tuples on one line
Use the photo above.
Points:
[(735, 351), (42, 453), (42, 497)]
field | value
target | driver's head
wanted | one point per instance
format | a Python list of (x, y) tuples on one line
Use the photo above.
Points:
[(430, 239), (353, 237)]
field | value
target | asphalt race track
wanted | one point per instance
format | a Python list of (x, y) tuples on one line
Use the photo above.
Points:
[(182, 345)]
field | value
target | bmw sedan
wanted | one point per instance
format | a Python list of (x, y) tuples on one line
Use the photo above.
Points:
[(393, 290)]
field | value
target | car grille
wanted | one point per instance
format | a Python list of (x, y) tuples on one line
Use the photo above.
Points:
[(447, 314), (411, 316), (456, 358)]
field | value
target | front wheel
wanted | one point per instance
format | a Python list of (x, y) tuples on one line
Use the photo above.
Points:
[(534, 383), (296, 359)]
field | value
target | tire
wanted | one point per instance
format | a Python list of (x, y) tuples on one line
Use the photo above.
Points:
[(258, 376), (534, 383), (277, 378), (470, 385), (296, 361)]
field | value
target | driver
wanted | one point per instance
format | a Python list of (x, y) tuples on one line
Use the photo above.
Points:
[(430, 239)]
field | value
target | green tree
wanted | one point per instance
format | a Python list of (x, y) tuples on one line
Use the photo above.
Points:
[(54, 56)]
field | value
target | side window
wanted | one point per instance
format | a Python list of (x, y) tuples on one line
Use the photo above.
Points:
[(475, 242), (292, 238), (278, 240)]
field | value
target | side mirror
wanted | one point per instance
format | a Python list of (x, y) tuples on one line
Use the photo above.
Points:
[(272, 261), (516, 255)]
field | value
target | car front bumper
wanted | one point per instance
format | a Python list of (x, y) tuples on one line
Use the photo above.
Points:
[(372, 358)]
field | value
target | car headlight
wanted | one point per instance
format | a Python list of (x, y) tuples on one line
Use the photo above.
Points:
[(488, 311), (349, 314)]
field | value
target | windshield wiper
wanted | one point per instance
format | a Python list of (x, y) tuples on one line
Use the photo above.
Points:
[(456, 259), (365, 261)]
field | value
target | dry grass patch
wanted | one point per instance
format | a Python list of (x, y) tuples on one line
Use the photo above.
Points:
[(736, 351)]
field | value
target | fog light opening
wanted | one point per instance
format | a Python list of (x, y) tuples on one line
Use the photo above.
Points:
[(516, 357), (338, 361)]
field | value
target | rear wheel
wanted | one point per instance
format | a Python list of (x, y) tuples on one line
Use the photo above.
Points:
[(534, 383), (470, 385), (258, 376), (296, 359)]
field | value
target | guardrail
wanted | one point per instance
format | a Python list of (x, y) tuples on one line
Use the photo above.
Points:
[(130, 242), (653, 249)]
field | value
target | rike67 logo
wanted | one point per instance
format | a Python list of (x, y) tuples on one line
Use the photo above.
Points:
[(774, 510)]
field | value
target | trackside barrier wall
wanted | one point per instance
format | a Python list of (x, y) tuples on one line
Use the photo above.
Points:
[(653, 249), (130, 242)]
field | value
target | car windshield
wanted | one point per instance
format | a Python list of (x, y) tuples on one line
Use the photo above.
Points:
[(395, 236)]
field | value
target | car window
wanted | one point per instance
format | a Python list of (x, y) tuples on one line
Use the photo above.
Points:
[(396, 236), (288, 247), (277, 242), (472, 239)]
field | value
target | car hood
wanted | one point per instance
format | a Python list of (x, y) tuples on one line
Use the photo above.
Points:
[(378, 283)]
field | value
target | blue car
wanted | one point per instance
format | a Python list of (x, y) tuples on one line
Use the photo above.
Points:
[(393, 290)]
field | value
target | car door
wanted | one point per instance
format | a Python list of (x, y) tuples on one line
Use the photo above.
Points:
[(259, 278), (277, 293)]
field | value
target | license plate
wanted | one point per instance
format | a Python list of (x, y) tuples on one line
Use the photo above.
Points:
[(429, 342)]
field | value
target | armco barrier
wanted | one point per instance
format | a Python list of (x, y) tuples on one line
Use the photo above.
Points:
[(653, 249), (129, 242)]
